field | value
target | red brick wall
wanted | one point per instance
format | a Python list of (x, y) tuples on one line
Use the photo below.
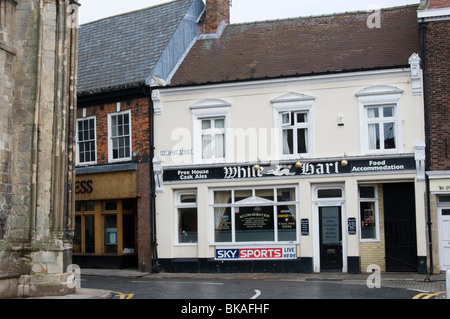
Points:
[(139, 126), (216, 12), (439, 4), (144, 228), (438, 67), (140, 142)]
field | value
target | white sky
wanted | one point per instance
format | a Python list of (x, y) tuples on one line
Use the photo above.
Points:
[(244, 10)]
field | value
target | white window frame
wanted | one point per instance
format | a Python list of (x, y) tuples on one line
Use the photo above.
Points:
[(209, 108), (178, 205), (273, 204), (293, 103), (110, 143), (380, 96), (77, 161), (376, 213)]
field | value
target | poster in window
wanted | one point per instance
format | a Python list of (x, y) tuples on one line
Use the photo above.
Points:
[(368, 216)]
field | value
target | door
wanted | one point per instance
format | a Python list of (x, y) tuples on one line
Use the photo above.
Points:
[(330, 229), (400, 227), (444, 238)]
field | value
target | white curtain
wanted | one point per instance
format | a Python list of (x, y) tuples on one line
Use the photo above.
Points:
[(373, 136), (220, 198), (286, 137)]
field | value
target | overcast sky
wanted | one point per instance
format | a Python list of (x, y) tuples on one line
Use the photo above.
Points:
[(244, 10)]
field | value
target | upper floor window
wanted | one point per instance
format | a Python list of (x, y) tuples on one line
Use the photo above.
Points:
[(294, 126), (119, 141), (380, 117), (381, 127), (210, 123), (293, 117), (86, 141), (213, 138)]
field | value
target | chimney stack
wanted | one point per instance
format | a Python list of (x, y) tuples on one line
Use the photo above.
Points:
[(436, 4), (216, 12)]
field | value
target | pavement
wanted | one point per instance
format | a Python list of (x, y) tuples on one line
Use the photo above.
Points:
[(428, 284)]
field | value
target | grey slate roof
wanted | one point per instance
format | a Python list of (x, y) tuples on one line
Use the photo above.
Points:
[(122, 51)]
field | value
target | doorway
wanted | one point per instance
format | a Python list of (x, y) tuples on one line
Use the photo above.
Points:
[(400, 227), (330, 228), (329, 242)]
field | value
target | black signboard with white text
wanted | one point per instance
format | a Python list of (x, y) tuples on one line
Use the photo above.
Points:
[(308, 168)]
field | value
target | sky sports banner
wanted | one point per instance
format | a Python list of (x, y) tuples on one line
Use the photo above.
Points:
[(260, 253), (308, 168)]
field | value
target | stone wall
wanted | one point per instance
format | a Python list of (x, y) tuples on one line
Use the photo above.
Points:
[(38, 43)]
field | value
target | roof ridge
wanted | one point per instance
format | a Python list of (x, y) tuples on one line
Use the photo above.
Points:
[(133, 11), (320, 15)]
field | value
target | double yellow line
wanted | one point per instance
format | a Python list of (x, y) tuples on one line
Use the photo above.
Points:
[(425, 295), (122, 295)]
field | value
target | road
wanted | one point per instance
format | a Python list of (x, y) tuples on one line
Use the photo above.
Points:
[(188, 288)]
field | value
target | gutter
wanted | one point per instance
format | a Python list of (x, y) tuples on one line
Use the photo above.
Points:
[(423, 28)]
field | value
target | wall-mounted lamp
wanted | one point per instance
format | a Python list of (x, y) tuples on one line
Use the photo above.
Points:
[(298, 164), (257, 167), (344, 161)]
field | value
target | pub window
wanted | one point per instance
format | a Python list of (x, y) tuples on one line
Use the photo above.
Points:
[(381, 127), (119, 129), (213, 138), (294, 131), (186, 208), (380, 118), (210, 123), (368, 210), (255, 215), (86, 141)]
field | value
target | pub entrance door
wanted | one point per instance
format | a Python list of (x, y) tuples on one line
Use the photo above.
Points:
[(330, 228), (329, 239)]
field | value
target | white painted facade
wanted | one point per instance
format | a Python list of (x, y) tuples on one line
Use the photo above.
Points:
[(333, 111)]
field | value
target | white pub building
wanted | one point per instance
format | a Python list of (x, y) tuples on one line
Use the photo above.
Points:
[(294, 146)]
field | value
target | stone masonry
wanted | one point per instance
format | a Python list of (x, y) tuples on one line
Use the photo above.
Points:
[(37, 112)]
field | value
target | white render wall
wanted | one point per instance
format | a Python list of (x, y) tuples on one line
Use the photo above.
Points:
[(252, 111)]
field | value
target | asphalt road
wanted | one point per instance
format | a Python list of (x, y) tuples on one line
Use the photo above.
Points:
[(207, 289)]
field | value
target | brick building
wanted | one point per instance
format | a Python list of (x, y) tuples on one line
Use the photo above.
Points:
[(121, 60), (434, 20)]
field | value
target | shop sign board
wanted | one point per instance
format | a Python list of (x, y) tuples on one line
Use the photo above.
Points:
[(308, 168), (440, 185), (256, 253)]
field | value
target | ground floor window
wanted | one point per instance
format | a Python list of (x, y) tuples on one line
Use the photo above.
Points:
[(368, 210), (186, 206), (105, 227), (255, 215)]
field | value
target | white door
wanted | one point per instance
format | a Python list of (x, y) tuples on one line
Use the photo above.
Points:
[(444, 237)]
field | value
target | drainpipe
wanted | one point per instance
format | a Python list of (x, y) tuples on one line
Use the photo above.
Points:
[(423, 27), (153, 243)]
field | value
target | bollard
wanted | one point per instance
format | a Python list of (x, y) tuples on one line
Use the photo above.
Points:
[(448, 283)]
